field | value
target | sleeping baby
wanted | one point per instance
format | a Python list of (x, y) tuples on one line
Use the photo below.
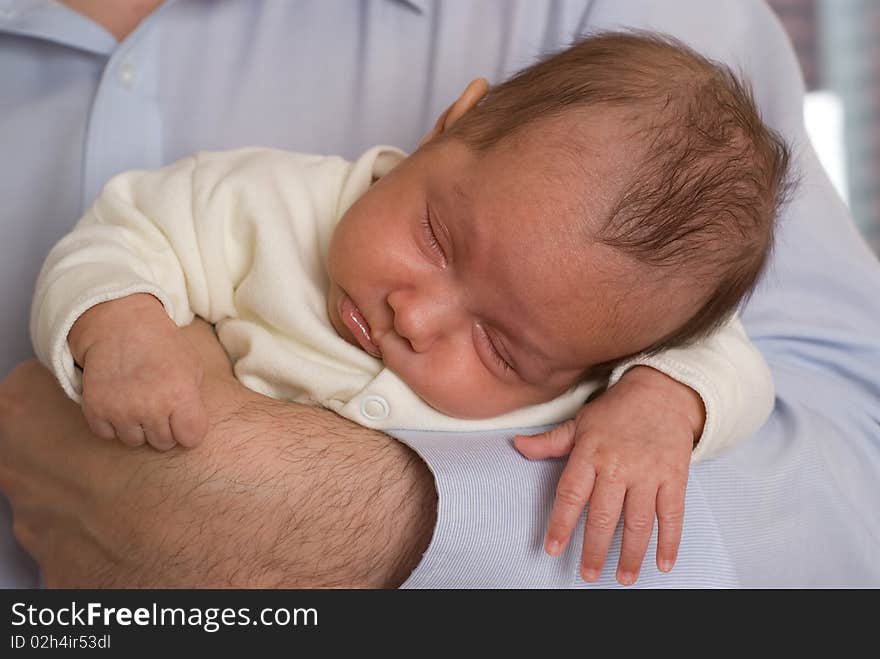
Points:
[(605, 209)]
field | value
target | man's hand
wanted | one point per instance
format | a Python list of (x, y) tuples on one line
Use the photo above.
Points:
[(629, 450), (280, 495)]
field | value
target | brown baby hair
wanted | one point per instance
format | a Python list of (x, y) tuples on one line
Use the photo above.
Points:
[(711, 177)]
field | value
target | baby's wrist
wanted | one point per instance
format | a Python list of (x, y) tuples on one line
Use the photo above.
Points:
[(684, 397), (110, 319)]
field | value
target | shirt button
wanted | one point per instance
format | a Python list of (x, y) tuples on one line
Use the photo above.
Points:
[(375, 407), (126, 75)]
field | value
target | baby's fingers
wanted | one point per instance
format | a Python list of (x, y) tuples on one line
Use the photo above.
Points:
[(99, 426), (130, 433), (572, 493), (551, 444), (638, 523), (159, 434), (602, 517), (670, 517), (189, 423)]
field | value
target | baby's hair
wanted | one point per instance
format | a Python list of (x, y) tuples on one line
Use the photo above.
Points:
[(711, 177)]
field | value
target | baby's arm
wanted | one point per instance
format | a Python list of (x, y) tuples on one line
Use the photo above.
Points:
[(629, 450), (109, 299)]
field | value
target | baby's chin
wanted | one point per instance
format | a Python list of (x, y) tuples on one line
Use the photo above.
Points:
[(458, 408), (459, 412)]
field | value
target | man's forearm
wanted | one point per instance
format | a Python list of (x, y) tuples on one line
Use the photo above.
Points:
[(328, 503), (278, 495)]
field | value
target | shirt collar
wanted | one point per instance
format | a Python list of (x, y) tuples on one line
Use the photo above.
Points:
[(52, 20)]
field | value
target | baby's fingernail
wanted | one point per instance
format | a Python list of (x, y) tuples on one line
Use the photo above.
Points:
[(553, 547), (626, 578), (665, 565), (591, 574)]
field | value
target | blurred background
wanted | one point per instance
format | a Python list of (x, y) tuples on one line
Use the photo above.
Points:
[(838, 44)]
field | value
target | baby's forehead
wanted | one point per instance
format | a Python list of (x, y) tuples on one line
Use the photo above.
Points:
[(582, 157)]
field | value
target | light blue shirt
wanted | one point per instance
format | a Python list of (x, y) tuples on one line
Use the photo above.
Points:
[(795, 506)]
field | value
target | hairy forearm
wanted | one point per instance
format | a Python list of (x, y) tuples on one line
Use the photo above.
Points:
[(325, 503), (277, 495)]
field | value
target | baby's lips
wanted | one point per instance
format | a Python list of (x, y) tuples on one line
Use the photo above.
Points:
[(358, 326)]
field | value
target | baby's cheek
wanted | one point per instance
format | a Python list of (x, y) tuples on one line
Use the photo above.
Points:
[(461, 389)]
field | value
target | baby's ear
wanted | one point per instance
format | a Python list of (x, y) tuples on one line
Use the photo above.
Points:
[(471, 95)]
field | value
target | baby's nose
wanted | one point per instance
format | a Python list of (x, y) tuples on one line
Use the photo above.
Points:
[(418, 318)]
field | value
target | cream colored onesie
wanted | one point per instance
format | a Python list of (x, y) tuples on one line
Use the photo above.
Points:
[(240, 238)]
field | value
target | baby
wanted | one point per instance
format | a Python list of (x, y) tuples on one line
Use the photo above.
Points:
[(605, 208)]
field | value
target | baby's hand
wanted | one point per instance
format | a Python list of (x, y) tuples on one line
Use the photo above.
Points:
[(629, 451), (141, 377)]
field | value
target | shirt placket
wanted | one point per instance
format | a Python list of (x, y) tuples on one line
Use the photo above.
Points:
[(125, 126)]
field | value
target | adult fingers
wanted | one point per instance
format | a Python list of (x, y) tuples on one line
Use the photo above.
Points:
[(638, 523)]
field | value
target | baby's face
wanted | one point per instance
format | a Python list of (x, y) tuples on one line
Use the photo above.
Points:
[(473, 278)]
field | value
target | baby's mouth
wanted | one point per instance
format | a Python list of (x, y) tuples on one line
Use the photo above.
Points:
[(358, 326)]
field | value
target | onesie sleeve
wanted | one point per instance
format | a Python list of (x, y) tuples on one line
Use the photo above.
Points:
[(138, 237), (731, 377)]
